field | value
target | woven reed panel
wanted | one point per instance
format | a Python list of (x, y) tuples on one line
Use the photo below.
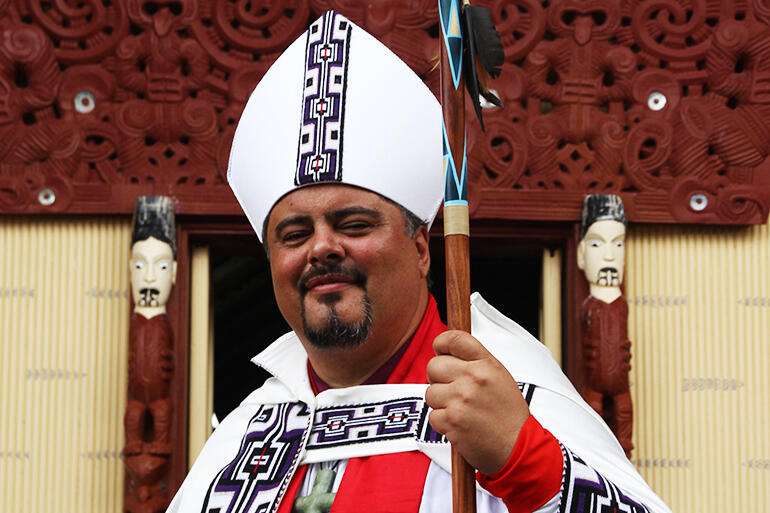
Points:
[(699, 318), (63, 337)]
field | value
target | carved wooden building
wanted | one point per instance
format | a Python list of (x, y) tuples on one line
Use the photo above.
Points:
[(664, 102)]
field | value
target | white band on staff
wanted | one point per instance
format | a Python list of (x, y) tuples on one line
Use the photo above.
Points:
[(456, 220)]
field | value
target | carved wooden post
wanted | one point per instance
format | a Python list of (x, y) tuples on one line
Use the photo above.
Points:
[(606, 348), (150, 356)]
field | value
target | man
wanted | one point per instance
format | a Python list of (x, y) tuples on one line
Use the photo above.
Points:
[(336, 162), (606, 348)]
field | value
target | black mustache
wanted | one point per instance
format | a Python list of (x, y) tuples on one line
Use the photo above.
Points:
[(357, 276), (148, 296), (149, 293)]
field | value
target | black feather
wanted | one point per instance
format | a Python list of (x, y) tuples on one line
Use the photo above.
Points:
[(491, 98), (486, 39), (482, 43), (470, 71)]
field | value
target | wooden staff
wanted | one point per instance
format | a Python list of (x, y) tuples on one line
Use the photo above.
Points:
[(456, 223)]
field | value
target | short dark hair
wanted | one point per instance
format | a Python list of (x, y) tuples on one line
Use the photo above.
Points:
[(411, 221)]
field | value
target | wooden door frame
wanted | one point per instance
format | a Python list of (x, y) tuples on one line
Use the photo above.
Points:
[(190, 230)]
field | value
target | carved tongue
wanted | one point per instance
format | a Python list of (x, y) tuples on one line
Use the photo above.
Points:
[(583, 25), (162, 21)]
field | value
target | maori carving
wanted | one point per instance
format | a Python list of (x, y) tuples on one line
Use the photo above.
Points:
[(149, 410), (664, 102), (606, 348)]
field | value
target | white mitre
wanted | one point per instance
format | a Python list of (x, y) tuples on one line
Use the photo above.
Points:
[(338, 107)]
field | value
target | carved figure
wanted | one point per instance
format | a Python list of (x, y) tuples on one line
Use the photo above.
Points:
[(100, 103), (150, 353), (606, 347), (579, 74)]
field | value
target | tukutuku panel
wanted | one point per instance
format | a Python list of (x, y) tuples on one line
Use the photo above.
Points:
[(699, 301), (63, 341)]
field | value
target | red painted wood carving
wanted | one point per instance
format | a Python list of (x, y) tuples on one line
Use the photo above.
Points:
[(149, 413), (663, 102)]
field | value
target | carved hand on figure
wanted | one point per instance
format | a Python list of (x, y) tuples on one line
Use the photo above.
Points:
[(476, 403), (590, 354), (167, 364)]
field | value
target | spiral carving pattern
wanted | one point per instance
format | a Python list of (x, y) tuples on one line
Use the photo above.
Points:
[(657, 100)]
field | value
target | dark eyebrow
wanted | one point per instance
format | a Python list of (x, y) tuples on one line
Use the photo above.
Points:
[(298, 219), (336, 215)]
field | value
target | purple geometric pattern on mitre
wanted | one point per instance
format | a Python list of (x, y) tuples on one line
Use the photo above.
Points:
[(323, 100), (336, 86)]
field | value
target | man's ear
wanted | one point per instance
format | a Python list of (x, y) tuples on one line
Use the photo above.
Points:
[(173, 272), (421, 240), (581, 255)]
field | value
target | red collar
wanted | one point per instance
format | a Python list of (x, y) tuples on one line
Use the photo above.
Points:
[(408, 364)]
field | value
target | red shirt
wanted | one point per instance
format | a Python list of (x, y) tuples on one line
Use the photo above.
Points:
[(531, 476)]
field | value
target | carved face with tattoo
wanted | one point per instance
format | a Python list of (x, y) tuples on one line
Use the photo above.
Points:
[(153, 273), (601, 253)]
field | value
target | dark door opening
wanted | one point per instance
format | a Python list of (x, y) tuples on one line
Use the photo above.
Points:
[(247, 319), (504, 271)]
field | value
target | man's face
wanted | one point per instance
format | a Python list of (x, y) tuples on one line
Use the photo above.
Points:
[(601, 253), (343, 267), (153, 272)]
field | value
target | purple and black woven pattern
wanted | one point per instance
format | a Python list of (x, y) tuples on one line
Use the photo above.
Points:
[(584, 490), (255, 479), (365, 423), (319, 157)]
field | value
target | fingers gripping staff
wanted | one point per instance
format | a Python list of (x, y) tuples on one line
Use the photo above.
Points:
[(476, 403), (456, 224)]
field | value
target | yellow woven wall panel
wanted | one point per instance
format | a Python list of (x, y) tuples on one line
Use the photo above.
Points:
[(699, 318), (63, 341), (699, 315)]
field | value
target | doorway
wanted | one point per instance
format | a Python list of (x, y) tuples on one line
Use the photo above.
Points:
[(245, 316), (506, 272)]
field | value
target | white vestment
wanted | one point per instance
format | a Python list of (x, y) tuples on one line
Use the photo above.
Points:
[(249, 460)]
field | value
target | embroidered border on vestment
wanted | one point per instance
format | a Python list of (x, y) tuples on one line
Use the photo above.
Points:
[(527, 390), (584, 490), (365, 423), (255, 479)]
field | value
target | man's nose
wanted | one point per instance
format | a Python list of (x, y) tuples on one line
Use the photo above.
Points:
[(325, 247)]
